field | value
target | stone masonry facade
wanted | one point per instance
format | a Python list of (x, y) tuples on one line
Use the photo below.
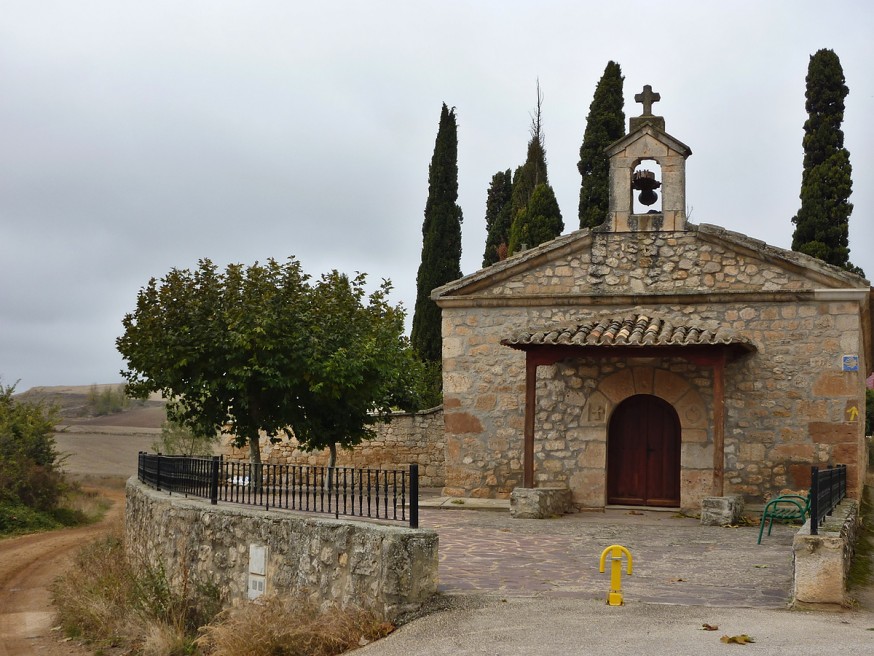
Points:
[(408, 438), (788, 404)]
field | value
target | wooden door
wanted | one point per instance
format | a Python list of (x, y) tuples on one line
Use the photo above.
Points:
[(643, 453)]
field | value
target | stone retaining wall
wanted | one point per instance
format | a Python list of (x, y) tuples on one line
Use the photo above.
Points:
[(390, 570), (823, 561), (416, 437)]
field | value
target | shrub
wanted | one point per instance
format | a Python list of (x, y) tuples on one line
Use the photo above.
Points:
[(107, 401), (177, 439), (107, 599), (869, 411), (17, 519), (29, 473)]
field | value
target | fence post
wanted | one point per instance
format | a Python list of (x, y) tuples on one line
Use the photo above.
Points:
[(814, 500), (158, 472), (214, 479), (414, 495)]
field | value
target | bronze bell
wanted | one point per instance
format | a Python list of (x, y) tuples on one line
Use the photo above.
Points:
[(644, 181)]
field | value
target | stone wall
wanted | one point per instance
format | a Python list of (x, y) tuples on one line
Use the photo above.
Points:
[(390, 570), (788, 405), (574, 398), (408, 438)]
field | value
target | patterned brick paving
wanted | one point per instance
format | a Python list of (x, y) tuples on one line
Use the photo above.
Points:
[(676, 560)]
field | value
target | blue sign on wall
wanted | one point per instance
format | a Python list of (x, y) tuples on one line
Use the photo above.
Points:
[(851, 363)]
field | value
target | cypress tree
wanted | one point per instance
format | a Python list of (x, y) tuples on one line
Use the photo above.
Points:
[(604, 125), (540, 221), (533, 171), (821, 225), (498, 217), (441, 238), (526, 180)]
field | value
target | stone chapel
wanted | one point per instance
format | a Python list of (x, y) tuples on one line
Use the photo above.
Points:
[(650, 361)]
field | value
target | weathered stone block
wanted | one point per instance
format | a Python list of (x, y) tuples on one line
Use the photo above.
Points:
[(462, 422), (539, 502), (823, 561), (722, 511)]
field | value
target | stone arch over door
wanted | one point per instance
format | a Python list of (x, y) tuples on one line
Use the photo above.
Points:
[(696, 439)]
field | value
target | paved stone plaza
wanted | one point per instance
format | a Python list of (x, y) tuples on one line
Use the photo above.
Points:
[(676, 560)]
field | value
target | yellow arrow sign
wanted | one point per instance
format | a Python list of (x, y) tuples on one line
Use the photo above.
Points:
[(853, 412)]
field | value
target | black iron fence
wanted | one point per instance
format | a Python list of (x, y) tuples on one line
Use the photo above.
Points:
[(828, 487), (387, 494)]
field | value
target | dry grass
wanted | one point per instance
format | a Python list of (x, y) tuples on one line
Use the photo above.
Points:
[(109, 602), (94, 597), (289, 627)]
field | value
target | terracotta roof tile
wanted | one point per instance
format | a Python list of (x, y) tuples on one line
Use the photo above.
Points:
[(633, 329)]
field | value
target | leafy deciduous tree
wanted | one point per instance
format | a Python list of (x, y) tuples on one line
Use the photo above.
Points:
[(821, 225), (604, 125), (259, 349), (441, 238)]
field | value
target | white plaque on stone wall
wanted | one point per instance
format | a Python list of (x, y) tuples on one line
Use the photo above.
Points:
[(257, 559)]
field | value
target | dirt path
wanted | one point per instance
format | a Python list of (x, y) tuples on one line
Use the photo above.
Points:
[(28, 565)]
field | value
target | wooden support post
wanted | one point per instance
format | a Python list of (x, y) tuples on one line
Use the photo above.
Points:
[(719, 426), (530, 411)]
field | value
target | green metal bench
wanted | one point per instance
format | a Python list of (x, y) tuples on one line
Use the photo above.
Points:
[(787, 507)]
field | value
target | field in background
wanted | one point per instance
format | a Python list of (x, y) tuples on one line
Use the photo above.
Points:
[(104, 446)]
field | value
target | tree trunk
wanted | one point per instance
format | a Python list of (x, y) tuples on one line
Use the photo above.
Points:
[(255, 460)]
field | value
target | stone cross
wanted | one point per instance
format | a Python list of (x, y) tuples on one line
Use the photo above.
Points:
[(647, 98)]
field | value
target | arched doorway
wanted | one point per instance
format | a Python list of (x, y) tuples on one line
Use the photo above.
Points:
[(643, 453)]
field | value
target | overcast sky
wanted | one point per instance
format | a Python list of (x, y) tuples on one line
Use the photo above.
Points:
[(140, 136)]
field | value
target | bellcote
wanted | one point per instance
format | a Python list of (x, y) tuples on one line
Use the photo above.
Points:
[(632, 159)]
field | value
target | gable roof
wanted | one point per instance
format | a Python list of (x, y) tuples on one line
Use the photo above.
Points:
[(648, 129)]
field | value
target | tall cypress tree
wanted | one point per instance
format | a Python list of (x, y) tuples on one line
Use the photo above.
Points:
[(821, 225), (604, 125), (441, 238), (533, 171), (527, 179), (540, 221), (498, 217)]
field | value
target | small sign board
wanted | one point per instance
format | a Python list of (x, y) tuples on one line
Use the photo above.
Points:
[(257, 559), (257, 584), (257, 570), (850, 363)]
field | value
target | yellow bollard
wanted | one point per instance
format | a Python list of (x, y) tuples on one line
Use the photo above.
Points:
[(614, 598)]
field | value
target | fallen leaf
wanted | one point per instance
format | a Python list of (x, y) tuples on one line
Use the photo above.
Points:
[(678, 580), (709, 627), (761, 566), (741, 639), (634, 512)]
